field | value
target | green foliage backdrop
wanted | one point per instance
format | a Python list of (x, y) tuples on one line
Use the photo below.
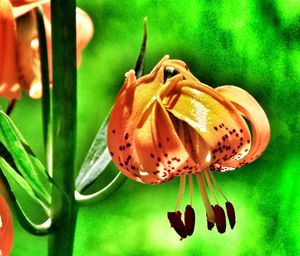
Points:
[(251, 44)]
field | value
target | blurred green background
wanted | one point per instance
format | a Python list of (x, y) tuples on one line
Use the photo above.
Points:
[(251, 44)]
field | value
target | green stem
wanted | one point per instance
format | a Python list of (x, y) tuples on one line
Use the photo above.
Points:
[(64, 210)]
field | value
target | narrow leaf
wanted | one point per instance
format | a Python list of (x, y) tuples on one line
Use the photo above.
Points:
[(98, 157), (95, 161), (45, 77), (28, 207), (22, 156)]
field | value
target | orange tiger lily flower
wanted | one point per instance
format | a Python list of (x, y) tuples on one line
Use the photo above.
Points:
[(6, 228), (163, 126), (19, 45)]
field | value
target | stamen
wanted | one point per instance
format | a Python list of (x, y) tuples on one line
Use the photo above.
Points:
[(191, 188), (177, 224), (181, 191), (210, 225), (216, 184), (210, 186), (189, 220), (209, 211), (230, 214), (220, 218)]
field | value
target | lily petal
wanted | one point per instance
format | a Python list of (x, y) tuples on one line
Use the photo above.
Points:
[(252, 111), (158, 146), (130, 103), (9, 79), (23, 6), (214, 118), (6, 228), (84, 32), (28, 55)]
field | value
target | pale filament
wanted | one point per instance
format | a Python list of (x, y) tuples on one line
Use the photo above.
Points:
[(205, 199), (216, 184), (181, 191), (191, 188)]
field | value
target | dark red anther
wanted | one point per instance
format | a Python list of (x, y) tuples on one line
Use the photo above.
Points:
[(230, 214), (210, 225), (189, 220), (220, 218), (177, 224)]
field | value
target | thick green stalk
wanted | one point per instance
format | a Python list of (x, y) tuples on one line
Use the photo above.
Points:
[(64, 125)]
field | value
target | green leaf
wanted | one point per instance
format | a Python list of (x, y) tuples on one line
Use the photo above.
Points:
[(28, 166), (98, 157), (46, 96), (28, 207), (103, 193), (95, 161)]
